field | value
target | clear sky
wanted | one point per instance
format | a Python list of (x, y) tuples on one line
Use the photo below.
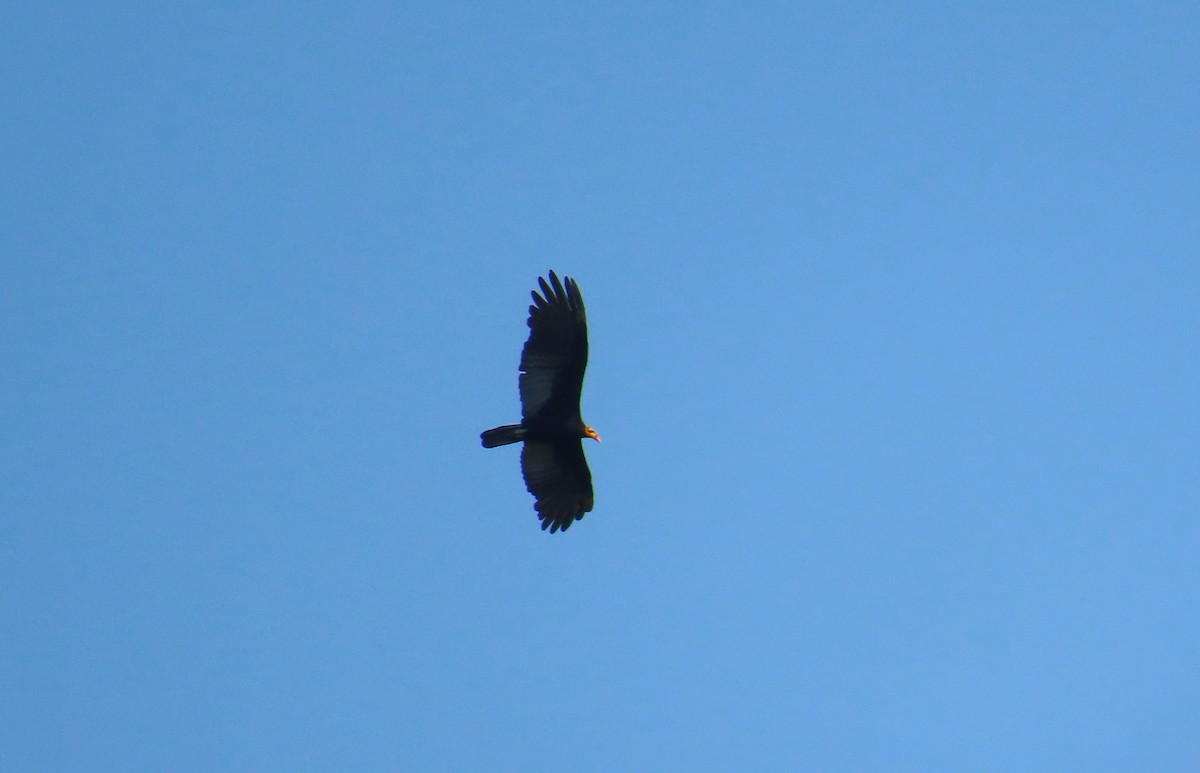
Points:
[(895, 311)]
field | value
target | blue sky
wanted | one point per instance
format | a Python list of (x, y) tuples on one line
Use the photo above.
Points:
[(894, 320)]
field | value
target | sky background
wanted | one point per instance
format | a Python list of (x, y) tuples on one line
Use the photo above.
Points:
[(894, 309)]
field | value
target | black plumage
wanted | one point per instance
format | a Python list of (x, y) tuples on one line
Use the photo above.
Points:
[(552, 367)]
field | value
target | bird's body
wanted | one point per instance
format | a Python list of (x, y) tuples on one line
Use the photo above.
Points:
[(552, 368)]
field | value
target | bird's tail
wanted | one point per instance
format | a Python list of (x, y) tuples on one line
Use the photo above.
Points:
[(502, 436)]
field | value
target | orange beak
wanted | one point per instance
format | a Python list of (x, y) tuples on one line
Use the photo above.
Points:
[(588, 431)]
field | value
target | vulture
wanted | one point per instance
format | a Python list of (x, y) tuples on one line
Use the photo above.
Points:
[(552, 366)]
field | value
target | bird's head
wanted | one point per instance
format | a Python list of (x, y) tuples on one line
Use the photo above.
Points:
[(589, 432)]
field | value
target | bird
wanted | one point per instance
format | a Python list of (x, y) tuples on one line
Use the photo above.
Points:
[(552, 429)]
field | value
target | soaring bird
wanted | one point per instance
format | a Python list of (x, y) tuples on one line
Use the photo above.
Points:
[(552, 366)]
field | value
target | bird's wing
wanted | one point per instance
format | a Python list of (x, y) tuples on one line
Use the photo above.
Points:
[(555, 356), (557, 475)]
